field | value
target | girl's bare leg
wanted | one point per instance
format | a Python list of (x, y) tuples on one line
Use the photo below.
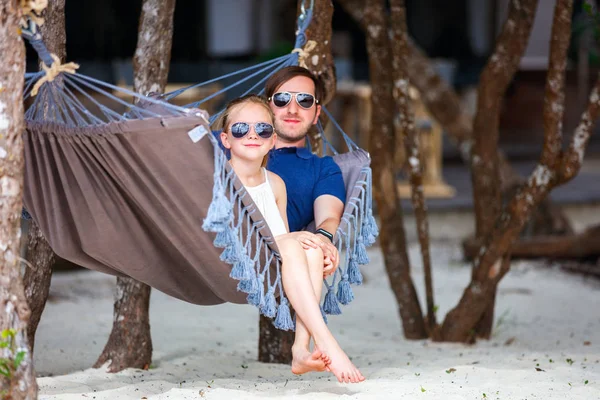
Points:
[(299, 290), (305, 360)]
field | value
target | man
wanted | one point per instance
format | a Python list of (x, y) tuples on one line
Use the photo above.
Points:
[(315, 187), (315, 191)]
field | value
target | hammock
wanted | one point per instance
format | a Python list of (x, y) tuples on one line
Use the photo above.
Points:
[(144, 190)]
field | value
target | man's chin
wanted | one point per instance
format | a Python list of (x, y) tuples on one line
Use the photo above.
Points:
[(290, 138)]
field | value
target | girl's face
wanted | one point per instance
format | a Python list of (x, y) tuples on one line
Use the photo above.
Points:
[(250, 147)]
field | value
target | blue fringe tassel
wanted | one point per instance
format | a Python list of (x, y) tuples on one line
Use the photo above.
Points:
[(331, 306), (248, 285), (283, 321), (224, 238), (369, 229), (344, 292), (269, 309), (219, 214), (243, 269), (257, 298), (360, 253), (354, 275), (232, 253)]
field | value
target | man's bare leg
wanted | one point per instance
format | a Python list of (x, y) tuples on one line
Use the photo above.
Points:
[(299, 290)]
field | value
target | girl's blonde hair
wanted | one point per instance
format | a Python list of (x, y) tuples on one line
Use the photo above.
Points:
[(222, 121)]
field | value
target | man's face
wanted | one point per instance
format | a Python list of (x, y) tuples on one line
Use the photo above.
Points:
[(292, 121)]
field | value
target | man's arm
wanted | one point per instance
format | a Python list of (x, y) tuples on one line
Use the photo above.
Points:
[(328, 214)]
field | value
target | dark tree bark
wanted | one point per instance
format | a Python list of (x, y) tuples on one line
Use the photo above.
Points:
[(275, 346), (38, 252), (14, 314), (485, 173), (553, 169), (319, 60), (584, 245), (382, 146), (445, 106), (407, 133), (37, 278), (130, 343)]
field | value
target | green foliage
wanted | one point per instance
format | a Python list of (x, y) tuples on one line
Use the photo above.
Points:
[(586, 23), (9, 364)]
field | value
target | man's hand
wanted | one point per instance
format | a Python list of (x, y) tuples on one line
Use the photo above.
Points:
[(328, 213), (308, 240), (331, 256)]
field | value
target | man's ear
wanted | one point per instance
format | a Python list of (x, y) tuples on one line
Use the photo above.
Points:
[(317, 115), (225, 140)]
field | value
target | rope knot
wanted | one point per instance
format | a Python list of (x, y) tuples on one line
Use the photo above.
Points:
[(33, 9), (303, 53), (53, 71)]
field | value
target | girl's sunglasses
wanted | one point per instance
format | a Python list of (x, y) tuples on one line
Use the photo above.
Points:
[(262, 129), (304, 100)]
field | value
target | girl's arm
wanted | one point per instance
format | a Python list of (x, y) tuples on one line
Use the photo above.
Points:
[(280, 193)]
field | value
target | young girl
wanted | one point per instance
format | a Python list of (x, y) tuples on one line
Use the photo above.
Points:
[(248, 133)]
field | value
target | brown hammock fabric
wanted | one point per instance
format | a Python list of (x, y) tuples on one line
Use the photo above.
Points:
[(128, 198)]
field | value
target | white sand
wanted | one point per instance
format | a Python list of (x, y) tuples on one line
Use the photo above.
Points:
[(209, 352)]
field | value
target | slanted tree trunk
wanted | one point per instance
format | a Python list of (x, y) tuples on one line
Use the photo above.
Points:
[(485, 174), (38, 252), (382, 146), (130, 343), (275, 346), (14, 311), (406, 132), (554, 168)]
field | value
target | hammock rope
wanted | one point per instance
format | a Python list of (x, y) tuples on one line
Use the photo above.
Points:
[(63, 97)]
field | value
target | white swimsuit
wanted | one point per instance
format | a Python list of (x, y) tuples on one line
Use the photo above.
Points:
[(264, 198)]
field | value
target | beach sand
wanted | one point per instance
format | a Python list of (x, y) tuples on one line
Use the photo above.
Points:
[(545, 345)]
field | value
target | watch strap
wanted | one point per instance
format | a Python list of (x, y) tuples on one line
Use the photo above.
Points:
[(323, 232)]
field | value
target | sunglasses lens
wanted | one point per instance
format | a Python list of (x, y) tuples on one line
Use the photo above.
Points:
[(264, 130), (239, 129), (305, 100), (281, 99)]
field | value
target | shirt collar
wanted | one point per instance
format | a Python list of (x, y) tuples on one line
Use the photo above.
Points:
[(301, 152)]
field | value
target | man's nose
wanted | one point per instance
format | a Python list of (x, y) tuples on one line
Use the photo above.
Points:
[(293, 106)]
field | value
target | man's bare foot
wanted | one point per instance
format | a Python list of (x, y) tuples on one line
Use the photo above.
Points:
[(304, 361), (340, 365)]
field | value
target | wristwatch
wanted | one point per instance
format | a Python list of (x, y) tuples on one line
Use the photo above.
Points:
[(323, 232)]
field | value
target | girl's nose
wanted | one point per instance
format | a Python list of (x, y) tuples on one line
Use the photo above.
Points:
[(252, 134)]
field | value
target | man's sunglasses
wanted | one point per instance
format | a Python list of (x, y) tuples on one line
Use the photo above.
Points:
[(304, 100), (262, 129)]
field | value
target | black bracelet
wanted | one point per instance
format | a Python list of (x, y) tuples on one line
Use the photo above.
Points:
[(325, 233)]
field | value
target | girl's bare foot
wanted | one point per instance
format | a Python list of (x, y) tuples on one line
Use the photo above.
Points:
[(340, 365), (304, 361)]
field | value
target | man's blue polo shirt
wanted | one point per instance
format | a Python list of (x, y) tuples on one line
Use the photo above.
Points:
[(306, 177)]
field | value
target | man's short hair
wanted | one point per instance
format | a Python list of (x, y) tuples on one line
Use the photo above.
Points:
[(285, 74)]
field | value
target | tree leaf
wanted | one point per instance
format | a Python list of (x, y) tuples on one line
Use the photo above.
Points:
[(19, 359)]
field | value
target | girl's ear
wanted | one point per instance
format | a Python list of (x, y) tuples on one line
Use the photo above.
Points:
[(225, 140), (274, 140)]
